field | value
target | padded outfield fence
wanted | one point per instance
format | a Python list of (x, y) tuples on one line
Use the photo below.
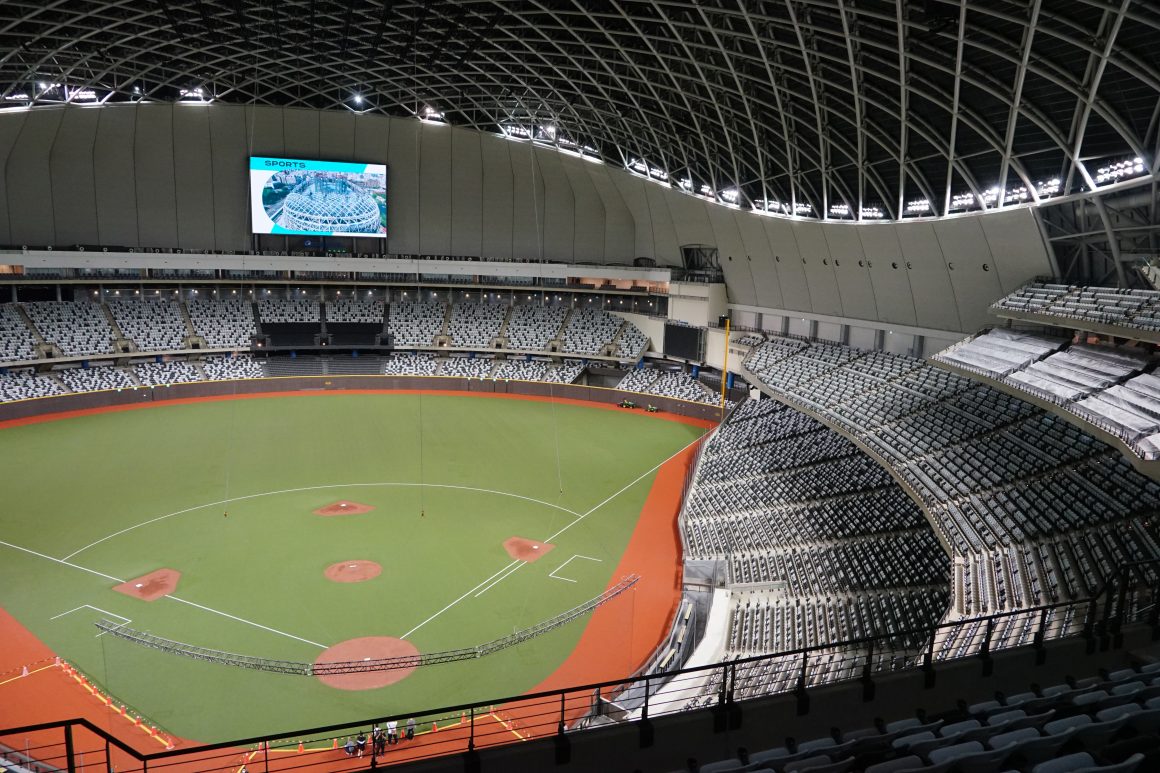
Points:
[(1128, 601), (360, 666)]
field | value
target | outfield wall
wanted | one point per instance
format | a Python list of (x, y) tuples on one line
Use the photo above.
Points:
[(24, 409)]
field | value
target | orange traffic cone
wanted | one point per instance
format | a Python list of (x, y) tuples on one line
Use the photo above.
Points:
[(334, 745), (434, 726), (301, 748)]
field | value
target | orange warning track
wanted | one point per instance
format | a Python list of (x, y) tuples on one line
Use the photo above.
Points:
[(618, 639)]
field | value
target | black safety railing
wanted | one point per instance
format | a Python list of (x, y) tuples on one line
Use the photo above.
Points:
[(1130, 596)]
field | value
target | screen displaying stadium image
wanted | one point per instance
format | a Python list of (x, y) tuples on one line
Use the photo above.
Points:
[(320, 198)]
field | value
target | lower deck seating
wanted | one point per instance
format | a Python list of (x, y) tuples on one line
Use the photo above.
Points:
[(818, 543), (241, 366), (1033, 509), (25, 385), (95, 379)]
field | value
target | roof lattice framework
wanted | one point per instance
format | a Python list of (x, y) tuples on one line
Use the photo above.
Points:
[(829, 106)]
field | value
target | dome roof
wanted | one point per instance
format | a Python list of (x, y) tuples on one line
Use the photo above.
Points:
[(827, 108)]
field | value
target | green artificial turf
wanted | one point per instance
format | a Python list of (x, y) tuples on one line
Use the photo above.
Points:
[(74, 482)]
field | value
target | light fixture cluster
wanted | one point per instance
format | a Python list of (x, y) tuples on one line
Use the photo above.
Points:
[(730, 195), (839, 210), (431, 114), (872, 213), (774, 206), (642, 168), (917, 206), (1127, 168)]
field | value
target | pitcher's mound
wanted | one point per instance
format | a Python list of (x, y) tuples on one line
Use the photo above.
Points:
[(344, 507), (152, 586), (529, 550), (353, 571), (366, 648)]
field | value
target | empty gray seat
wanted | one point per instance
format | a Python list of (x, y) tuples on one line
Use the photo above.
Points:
[(907, 740), (898, 764), (1067, 724), (1083, 762), (1013, 737), (809, 763), (1038, 749), (955, 751)]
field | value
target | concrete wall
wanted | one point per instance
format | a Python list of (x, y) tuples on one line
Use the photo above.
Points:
[(163, 175)]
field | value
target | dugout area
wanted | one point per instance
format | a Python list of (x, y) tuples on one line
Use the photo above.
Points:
[(242, 502)]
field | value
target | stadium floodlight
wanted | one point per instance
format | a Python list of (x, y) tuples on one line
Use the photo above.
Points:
[(686, 184), (917, 206), (358, 99), (872, 213), (731, 195), (802, 208), (1126, 168), (1048, 188), (962, 200), (839, 210)]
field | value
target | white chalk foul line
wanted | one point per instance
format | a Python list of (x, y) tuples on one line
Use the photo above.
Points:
[(453, 603), (315, 488), (247, 622), (625, 488), (119, 581), (510, 570), (500, 579)]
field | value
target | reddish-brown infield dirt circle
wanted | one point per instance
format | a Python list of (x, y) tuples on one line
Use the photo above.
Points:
[(343, 507), (353, 571), (366, 648)]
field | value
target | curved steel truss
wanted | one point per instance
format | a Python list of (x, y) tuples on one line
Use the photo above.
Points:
[(829, 108)]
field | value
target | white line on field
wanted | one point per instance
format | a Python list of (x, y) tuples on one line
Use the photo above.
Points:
[(62, 561), (453, 603), (118, 580), (499, 579), (579, 517), (95, 609), (554, 576), (247, 622), (638, 479), (316, 488)]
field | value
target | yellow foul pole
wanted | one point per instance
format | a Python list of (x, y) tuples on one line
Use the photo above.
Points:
[(725, 369)]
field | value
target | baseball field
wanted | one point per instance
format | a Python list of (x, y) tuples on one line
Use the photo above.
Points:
[(290, 527)]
